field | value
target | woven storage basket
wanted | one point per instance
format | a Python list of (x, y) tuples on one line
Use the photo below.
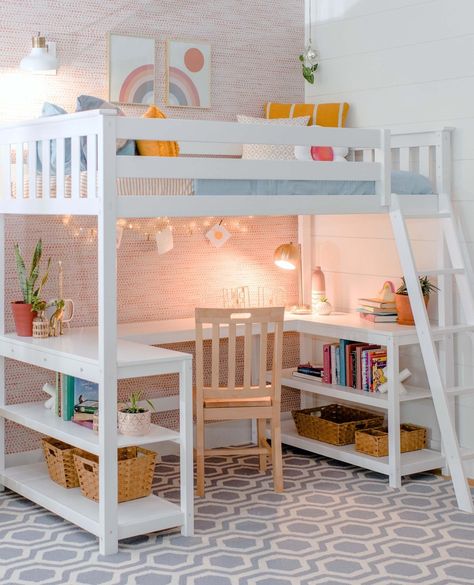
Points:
[(335, 423), (375, 441), (60, 460), (135, 473)]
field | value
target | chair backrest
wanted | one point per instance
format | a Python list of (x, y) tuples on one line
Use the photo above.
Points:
[(237, 323)]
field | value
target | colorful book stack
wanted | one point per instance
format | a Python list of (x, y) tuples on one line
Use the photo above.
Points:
[(309, 372), (357, 365), (377, 311)]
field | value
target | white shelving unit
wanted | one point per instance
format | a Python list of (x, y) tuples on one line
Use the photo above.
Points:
[(391, 335)]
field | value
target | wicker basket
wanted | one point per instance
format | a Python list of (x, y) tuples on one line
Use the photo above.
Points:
[(60, 460), (135, 473), (375, 441), (335, 423)]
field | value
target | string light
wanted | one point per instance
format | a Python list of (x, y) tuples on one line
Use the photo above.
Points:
[(146, 228)]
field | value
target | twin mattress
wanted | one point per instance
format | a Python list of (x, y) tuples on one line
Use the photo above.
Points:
[(403, 183)]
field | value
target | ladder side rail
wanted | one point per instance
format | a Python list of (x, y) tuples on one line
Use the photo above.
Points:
[(430, 358)]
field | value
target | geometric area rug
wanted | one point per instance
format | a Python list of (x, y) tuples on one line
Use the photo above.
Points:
[(335, 524)]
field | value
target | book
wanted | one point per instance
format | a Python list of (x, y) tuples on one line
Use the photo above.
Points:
[(359, 363), (376, 310), (334, 348), (378, 372), (309, 369), (82, 416), (84, 423), (366, 353), (327, 363), (342, 360), (350, 347), (338, 364), (297, 374), (67, 396), (372, 358), (379, 318), (371, 302)]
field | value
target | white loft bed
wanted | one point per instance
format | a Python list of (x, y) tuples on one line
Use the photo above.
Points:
[(376, 152)]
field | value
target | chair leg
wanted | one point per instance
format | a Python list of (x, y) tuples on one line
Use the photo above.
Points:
[(277, 456), (199, 455), (262, 440)]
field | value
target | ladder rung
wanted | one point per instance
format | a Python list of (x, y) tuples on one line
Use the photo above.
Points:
[(450, 329), (427, 216), (458, 390), (467, 454), (441, 272)]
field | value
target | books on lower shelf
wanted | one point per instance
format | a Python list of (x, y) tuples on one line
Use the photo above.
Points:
[(354, 364), (309, 372)]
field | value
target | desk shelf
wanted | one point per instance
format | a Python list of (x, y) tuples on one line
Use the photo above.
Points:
[(34, 416), (412, 462), (135, 517)]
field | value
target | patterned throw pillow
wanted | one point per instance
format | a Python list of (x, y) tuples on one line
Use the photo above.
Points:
[(270, 151), (333, 115)]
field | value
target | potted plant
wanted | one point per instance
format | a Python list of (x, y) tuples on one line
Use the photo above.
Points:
[(133, 420), (24, 311), (402, 301)]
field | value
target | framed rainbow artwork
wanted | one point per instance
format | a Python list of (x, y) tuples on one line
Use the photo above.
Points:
[(189, 74), (131, 68)]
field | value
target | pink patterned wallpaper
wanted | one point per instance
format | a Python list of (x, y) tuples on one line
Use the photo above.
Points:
[(254, 59)]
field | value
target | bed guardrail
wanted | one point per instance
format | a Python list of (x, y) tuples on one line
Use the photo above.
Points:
[(59, 165)]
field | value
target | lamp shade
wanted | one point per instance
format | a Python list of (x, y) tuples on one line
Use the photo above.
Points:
[(287, 256), (41, 58)]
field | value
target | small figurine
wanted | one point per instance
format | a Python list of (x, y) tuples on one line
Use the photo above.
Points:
[(387, 292), (50, 404), (56, 319)]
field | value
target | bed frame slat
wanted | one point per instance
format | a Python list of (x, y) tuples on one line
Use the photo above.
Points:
[(75, 167), (46, 167), (60, 172)]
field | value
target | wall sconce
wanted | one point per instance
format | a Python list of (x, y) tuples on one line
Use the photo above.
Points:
[(288, 256), (42, 58)]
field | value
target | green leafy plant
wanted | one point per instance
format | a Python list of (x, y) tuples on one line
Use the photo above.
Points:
[(308, 71), (28, 280), (427, 287), (132, 407)]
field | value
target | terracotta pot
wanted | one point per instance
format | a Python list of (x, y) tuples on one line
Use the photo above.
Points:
[(405, 315), (134, 424), (23, 316)]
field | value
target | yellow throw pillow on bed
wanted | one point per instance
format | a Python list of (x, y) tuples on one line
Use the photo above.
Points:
[(333, 115), (156, 147)]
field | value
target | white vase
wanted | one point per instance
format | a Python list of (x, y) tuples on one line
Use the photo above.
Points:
[(134, 424), (323, 308)]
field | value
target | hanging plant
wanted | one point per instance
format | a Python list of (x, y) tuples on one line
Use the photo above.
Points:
[(308, 69)]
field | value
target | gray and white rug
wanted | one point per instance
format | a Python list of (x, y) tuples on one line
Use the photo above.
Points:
[(334, 525)]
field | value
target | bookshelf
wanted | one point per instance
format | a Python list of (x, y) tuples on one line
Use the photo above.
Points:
[(389, 335)]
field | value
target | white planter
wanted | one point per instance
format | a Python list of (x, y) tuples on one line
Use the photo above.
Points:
[(323, 308), (134, 424)]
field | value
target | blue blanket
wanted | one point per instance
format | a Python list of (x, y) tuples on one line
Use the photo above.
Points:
[(403, 183)]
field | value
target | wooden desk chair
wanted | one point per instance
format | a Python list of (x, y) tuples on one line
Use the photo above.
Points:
[(231, 401)]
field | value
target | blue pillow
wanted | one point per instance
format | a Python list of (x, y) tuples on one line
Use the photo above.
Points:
[(89, 102), (408, 183), (53, 110)]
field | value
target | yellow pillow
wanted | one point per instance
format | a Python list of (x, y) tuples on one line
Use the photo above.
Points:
[(156, 147), (333, 115)]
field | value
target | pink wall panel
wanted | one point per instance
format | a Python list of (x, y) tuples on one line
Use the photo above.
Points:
[(254, 59)]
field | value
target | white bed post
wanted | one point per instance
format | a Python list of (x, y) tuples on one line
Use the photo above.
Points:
[(185, 448), (383, 155), (305, 239), (107, 301)]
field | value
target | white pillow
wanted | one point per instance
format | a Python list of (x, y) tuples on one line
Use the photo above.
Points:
[(271, 151)]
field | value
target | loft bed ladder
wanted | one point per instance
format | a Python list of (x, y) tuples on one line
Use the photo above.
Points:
[(439, 361)]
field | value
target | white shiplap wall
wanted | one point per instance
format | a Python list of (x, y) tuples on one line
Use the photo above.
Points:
[(399, 63)]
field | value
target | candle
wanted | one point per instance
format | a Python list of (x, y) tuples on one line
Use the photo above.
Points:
[(60, 280)]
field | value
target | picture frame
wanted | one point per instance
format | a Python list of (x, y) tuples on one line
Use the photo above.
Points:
[(188, 74), (131, 66)]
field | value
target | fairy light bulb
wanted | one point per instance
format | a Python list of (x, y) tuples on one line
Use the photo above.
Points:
[(310, 55)]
